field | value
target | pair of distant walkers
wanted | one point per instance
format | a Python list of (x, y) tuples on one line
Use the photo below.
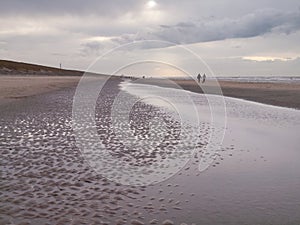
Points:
[(199, 78)]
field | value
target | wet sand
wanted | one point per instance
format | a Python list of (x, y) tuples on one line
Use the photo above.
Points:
[(255, 174), (278, 94), (47, 179)]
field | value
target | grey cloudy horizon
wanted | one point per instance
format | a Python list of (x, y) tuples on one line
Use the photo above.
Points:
[(233, 37)]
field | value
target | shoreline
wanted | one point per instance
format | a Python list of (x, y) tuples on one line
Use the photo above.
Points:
[(276, 94), (16, 87)]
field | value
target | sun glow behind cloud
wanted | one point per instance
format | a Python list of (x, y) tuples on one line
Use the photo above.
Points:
[(152, 69), (151, 4), (100, 38)]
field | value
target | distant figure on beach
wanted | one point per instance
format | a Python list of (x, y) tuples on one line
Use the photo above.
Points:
[(199, 78), (204, 77)]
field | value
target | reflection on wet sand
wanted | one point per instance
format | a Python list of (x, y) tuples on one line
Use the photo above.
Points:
[(46, 179)]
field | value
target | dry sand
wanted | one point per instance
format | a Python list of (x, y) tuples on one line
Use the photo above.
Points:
[(279, 94), (14, 87)]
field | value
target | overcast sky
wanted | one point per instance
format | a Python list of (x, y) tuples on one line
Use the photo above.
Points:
[(162, 37)]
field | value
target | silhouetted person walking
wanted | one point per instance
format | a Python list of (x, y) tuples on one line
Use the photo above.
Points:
[(204, 77), (199, 78)]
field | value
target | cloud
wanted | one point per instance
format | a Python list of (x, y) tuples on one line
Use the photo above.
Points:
[(75, 32), (91, 47), (71, 7), (268, 58), (251, 25)]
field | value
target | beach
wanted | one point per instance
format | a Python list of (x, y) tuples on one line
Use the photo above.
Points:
[(13, 87), (150, 112), (279, 94), (60, 167)]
